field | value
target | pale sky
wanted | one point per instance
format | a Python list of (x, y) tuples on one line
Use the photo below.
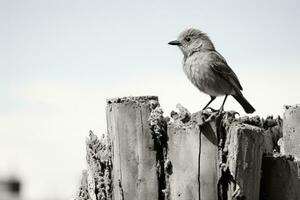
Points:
[(61, 59)]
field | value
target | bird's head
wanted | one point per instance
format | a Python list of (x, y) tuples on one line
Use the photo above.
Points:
[(192, 40)]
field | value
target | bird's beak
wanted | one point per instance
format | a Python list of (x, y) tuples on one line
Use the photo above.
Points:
[(175, 42)]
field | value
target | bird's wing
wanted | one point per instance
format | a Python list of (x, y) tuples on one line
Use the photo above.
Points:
[(219, 65)]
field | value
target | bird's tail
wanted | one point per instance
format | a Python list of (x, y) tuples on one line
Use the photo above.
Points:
[(244, 103)]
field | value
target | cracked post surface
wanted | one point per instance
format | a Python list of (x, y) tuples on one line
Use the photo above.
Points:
[(221, 158), (242, 154), (203, 155), (247, 140), (192, 150), (134, 155), (158, 125), (183, 149)]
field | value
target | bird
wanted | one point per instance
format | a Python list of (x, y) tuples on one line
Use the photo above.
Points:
[(208, 70)]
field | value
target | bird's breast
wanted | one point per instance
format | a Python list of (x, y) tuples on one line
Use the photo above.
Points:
[(204, 78), (197, 74)]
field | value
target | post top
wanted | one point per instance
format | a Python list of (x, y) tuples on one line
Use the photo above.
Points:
[(136, 99), (291, 107)]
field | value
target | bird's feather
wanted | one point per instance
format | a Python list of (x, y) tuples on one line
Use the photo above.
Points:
[(219, 65)]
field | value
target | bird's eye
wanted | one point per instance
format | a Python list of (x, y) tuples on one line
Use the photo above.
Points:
[(188, 39)]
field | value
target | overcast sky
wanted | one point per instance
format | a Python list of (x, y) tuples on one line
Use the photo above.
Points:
[(60, 60)]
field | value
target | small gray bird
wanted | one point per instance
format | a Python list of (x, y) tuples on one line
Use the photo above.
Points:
[(207, 69)]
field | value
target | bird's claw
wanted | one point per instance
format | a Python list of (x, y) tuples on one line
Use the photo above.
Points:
[(208, 118), (214, 110), (212, 117), (211, 109)]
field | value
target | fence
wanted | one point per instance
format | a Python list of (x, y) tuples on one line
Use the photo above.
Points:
[(199, 156)]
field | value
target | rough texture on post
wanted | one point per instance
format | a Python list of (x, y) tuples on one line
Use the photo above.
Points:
[(193, 152), (215, 159), (96, 181), (205, 155), (183, 153), (134, 156), (99, 167), (280, 179), (291, 131), (272, 131), (83, 193), (243, 151), (208, 155)]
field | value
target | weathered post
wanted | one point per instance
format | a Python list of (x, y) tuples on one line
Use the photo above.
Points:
[(291, 131), (184, 155), (281, 171), (214, 160), (200, 156), (242, 168), (96, 181), (193, 152), (133, 154), (280, 178)]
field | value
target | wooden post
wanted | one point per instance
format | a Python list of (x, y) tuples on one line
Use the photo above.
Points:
[(280, 179), (96, 181), (203, 156), (291, 131), (193, 152), (209, 160), (244, 149), (281, 173), (83, 193), (134, 156), (216, 160)]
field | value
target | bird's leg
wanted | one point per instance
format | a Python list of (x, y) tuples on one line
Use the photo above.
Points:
[(215, 113), (206, 118), (212, 98), (222, 106), (213, 110)]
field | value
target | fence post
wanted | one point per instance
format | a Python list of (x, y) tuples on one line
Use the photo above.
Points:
[(280, 178), (146, 156), (133, 154), (217, 160), (243, 150), (96, 180), (291, 131), (281, 172), (193, 152)]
